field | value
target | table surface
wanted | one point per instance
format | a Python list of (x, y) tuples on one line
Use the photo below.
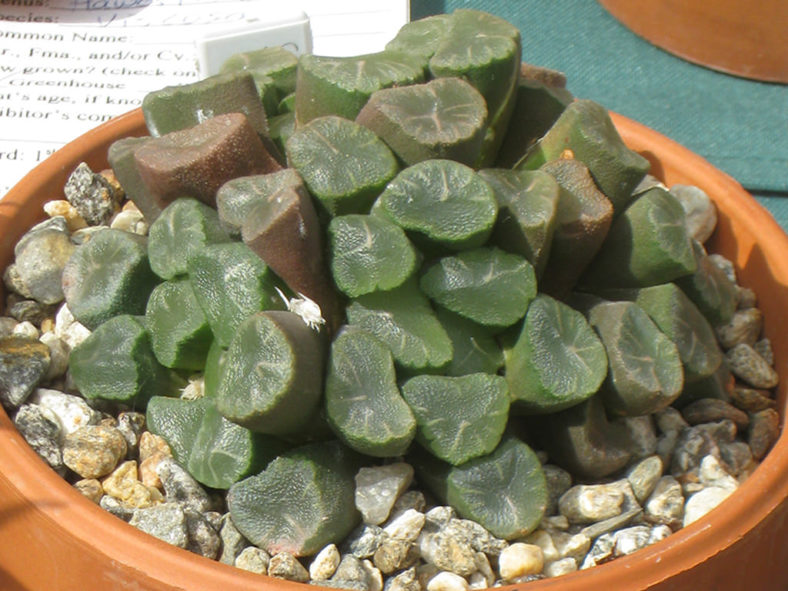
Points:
[(739, 125)]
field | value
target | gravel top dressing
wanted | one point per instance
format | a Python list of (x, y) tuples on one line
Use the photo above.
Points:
[(414, 320)]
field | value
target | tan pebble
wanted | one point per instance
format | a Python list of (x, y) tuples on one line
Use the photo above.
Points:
[(150, 443), (90, 488), (446, 581), (253, 559), (110, 177), (763, 432), (63, 208), (93, 451), (148, 469), (325, 563), (124, 485), (111, 422), (47, 325), (285, 566), (560, 567), (520, 559)]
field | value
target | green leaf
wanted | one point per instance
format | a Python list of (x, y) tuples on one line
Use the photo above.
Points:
[(459, 418), (475, 349), (485, 285), (363, 404)]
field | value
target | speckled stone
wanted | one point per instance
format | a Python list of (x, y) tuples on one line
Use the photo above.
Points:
[(378, 487), (353, 573), (72, 411), (700, 211), (764, 431), (181, 487), (393, 555), (42, 431), (587, 503), (203, 538), (447, 552), (29, 311), (233, 541), (751, 399), (669, 419), (325, 563), (520, 559), (666, 504), (117, 507), (166, 521), (692, 446), (254, 560), (92, 195), (764, 348), (39, 259), (285, 566), (363, 541), (124, 485), (404, 581), (744, 328), (476, 535), (93, 451), (24, 364), (707, 410), (746, 364), (90, 488)]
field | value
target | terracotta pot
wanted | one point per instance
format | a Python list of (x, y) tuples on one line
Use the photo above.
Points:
[(53, 538)]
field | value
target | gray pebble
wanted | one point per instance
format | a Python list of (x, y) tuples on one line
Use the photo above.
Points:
[(558, 482), (233, 541), (763, 432), (751, 399), (30, 311), (601, 551), (476, 535), (666, 445), (643, 477), (364, 541), (669, 419), (42, 431), (23, 365), (378, 487), (439, 516), (181, 487), (744, 328), (285, 566), (215, 519), (707, 410), (568, 544), (203, 538), (351, 570), (764, 348), (117, 507), (7, 325), (736, 456), (254, 560), (92, 195), (666, 504), (405, 526), (692, 446), (746, 364), (588, 503), (412, 499), (564, 566), (40, 257), (166, 521), (613, 524), (642, 435), (93, 451), (700, 211)]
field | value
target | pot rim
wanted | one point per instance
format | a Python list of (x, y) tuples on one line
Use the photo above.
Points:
[(762, 493)]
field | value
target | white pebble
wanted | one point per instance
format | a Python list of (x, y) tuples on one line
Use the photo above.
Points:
[(130, 221), (560, 567), (377, 489), (406, 526), (26, 329), (713, 474), (704, 501), (520, 559), (68, 329), (71, 411), (588, 503), (446, 581), (325, 563)]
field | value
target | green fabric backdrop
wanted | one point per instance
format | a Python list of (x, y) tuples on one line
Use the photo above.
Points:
[(739, 125)]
